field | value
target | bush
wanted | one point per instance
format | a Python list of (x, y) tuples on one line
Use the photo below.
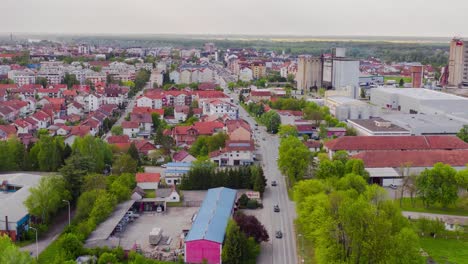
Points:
[(71, 245), (243, 200), (107, 258), (252, 204)]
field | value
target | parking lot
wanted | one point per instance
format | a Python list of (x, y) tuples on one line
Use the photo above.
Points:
[(172, 223)]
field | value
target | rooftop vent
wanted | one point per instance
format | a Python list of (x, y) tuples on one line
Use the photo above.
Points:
[(382, 123)]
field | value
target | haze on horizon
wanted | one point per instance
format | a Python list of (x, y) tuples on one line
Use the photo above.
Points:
[(425, 18)]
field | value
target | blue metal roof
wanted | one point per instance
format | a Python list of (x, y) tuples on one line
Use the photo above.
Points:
[(179, 164), (212, 218)]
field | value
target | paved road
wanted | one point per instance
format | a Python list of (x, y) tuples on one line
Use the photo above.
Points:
[(131, 104), (56, 228), (416, 215), (280, 251)]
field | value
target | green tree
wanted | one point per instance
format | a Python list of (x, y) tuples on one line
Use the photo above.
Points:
[(74, 170), (294, 158), (86, 203), (95, 148), (402, 82), (70, 245), (10, 254), (438, 185), (133, 152), (234, 249), (463, 133), (108, 258), (42, 81), (124, 164), (47, 197), (272, 121), (259, 180), (70, 80), (47, 153), (156, 118), (287, 130), (117, 130), (103, 207)]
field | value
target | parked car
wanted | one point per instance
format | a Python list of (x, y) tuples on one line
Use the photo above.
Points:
[(273, 183), (276, 208), (279, 234), (393, 186)]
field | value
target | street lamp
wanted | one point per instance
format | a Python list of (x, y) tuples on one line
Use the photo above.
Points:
[(302, 246), (68, 202), (37, 245)]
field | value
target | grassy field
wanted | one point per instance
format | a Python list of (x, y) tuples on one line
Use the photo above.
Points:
[(397, 79), (446, 250), (309, 256), (436, 209)]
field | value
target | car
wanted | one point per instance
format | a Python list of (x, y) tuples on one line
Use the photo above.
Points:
[(279, 234), (276, 209), (273, 183), (263, 139), (163, 166), (393, 186)]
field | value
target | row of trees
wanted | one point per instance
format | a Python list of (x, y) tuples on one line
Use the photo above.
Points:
[(294, 157), (141, 78), (350, 221), (204, 175), (271, 119)]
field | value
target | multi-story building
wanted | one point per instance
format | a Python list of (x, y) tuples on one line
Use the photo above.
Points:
[(258, 69), (23, 77), (53, 76), (309, 73), (339, 71), (458, 63)]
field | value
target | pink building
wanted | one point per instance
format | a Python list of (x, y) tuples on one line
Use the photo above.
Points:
[(204, 242)]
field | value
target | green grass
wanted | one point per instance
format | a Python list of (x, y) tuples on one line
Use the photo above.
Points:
[(50, 253), (446, 250), (150, 194), (435, 209), (397, 79), (176, 204), (309, 252)]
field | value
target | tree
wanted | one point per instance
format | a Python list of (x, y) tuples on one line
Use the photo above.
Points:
[(47, 197), (272, 121), (294, 158), (42, 81), (313, 113), (70, 80), (363, 93), (438, 185), (117, 130), (133, 152), (86, 202), (259, 180), (108, 258), (70, 245), (251, 227), (156, 118), (206, 144), (402, 82), (47, 153), (103, 207), (287, 130), (463, 133), (290, 78), (124, 164), (95, 148), (10, 254), (73, 172), (234, 249)]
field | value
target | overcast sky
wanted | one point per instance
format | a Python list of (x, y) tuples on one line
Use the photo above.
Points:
[(299, 17)]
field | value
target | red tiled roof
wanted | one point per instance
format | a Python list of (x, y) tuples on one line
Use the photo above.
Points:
[(415, 158), (140, 110), (8, 129), (396, 143), (69, 93), (210, 94), (118, 139), (179, 156), (312, 144), (260, 93), (232, 125), (80, 131), (148, 177), (129, 124)]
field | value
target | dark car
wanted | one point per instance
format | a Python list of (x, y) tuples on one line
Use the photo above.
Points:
[(273, 183), (279, 234), (276, 209)]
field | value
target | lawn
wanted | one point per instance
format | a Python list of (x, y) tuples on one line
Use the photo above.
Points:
[(397, 79), (50, 253), (306, 245), (150, 194), (435, 209), (446, 250)]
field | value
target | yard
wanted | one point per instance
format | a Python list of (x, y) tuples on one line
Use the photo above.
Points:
[(435, 209), (397, 79), (446, 250)]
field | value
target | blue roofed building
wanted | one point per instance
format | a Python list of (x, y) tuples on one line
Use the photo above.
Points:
[(175, 171), (204, 241)]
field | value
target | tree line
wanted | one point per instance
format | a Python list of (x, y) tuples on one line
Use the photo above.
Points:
[(271, 119), (204, 175)]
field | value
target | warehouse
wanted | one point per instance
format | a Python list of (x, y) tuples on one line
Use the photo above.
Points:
[(204, 242), (344, 108), (14, 190)]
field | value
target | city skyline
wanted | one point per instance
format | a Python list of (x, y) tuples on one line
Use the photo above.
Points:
[(296, 17)]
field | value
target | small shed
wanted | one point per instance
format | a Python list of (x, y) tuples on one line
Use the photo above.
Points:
[(148, 181)]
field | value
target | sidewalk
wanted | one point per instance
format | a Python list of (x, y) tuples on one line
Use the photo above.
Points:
[(56, 228)]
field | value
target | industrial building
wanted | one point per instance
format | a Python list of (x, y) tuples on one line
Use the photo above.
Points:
[(377, 127), (421, 124), (339, 71), (14, 190), (344, 108), (422, 101), (309, 72), (204, 241), (458, 63)]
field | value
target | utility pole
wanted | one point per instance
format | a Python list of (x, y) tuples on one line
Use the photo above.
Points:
[(37, 245), (68, 202)]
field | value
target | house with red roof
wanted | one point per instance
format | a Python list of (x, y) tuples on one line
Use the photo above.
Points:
[(186, 135), (238, 129), (181, 113), (130, 128), (43, 119), (145, 122), (148, 181), (260, 95), (93, 125), (49, 92), (75, 108), (183, 156), (235, 153), (22, 127), (7, 131), (118, 139), (218, 107), (144, 146), (77, 131)]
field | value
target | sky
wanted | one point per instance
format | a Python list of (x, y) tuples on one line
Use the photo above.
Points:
[(253, 17)]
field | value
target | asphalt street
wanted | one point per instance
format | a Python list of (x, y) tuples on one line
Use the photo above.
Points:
[(277, 250)]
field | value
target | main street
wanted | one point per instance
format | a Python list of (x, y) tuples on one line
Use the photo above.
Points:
[(283, 250)]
